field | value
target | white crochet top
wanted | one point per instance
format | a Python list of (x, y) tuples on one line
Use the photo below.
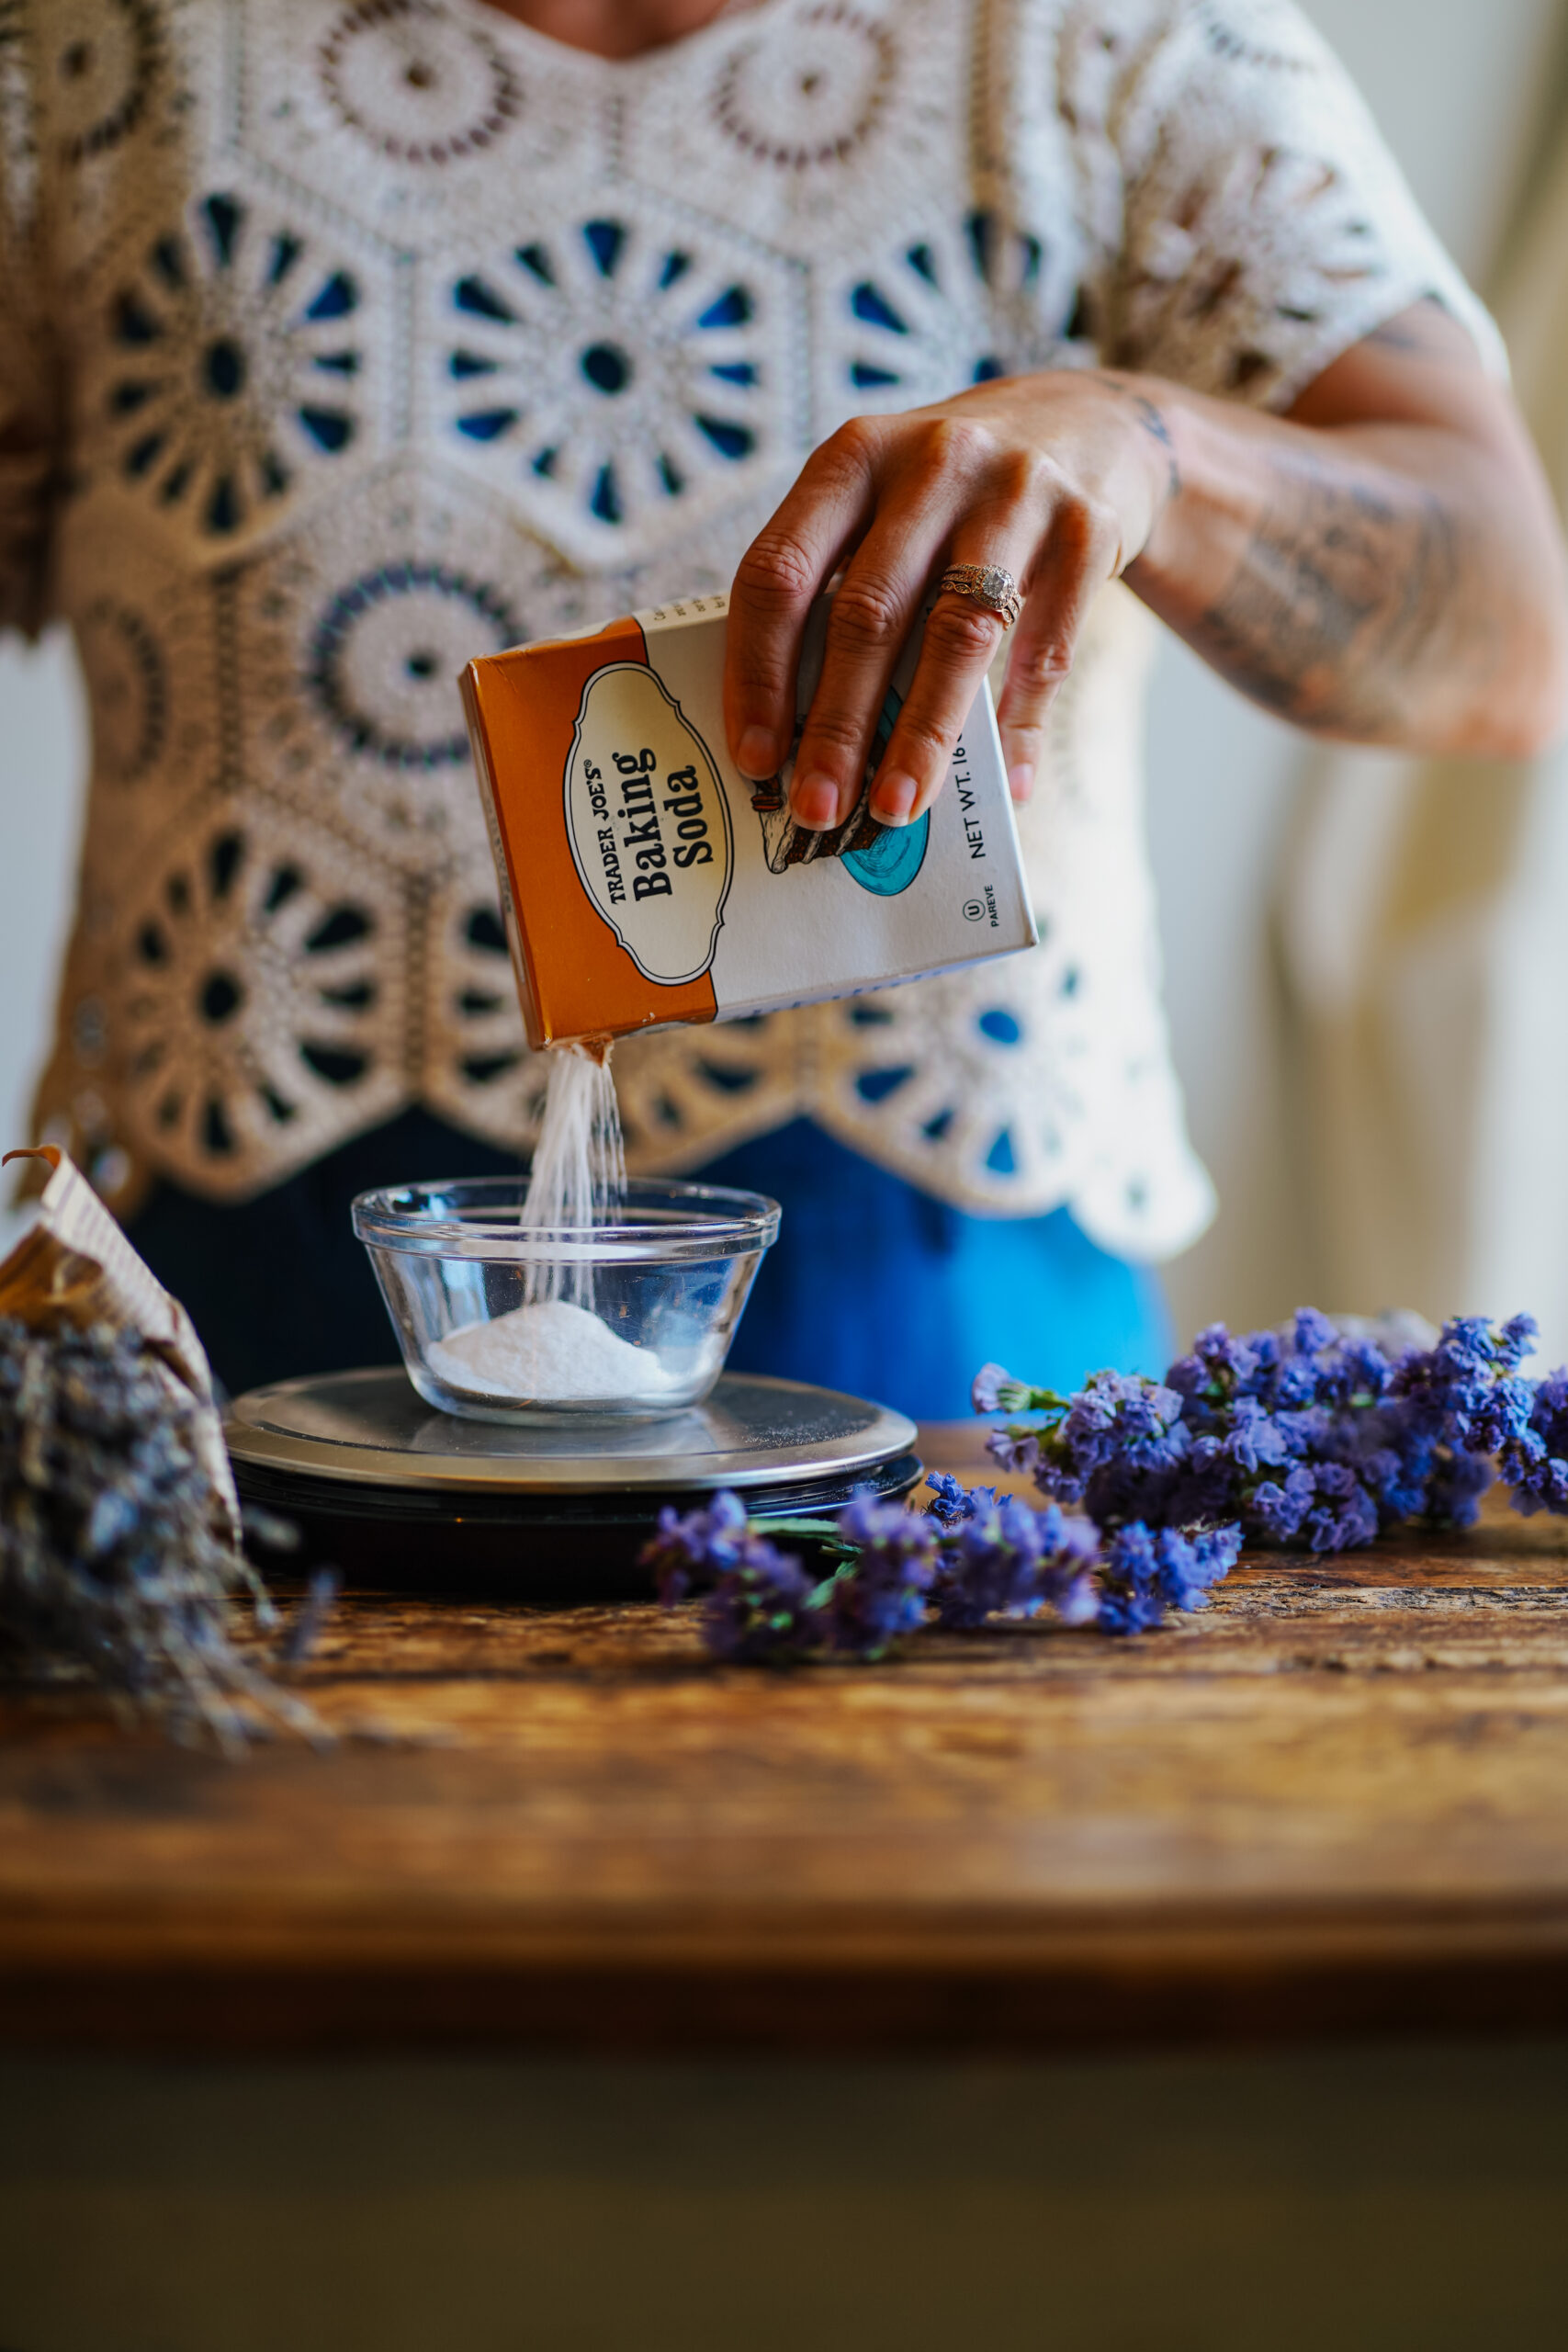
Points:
[(343, 342)]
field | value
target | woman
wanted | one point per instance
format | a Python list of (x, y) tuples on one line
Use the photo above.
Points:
[(354, 340)]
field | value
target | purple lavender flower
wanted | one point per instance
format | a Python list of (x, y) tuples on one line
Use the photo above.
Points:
[(1467, 1391), (1123, 1416), (1116, 1449), (763, 1610), (1149, 1570), (1343, 1514), (1014, 1449), (1257, 1439), (1277, 1508), (994, 1390), (1130, 1597), (951, 1502), (1197, 1561), (1458, 1483), (991, 1567), (1534, 1464), (881, 1593), (1380, 1428), (1218, 1368), (697, 1548), (759, 1603), (1008, 1560), (1066, 1574)]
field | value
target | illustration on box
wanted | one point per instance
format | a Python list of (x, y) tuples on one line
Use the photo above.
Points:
[(884, 859)]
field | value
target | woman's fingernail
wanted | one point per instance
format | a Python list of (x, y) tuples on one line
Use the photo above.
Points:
[(759, 754), (894, 799), (1021, 780), (815, 802)]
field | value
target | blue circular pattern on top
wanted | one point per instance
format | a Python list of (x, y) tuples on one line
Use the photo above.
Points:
[(541, 361), (923, 322), (384, 657)]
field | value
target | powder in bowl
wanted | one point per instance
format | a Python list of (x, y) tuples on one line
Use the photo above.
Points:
[(551, 1352)]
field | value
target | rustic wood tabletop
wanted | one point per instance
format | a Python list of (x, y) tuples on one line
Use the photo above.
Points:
[(1336, 1801)]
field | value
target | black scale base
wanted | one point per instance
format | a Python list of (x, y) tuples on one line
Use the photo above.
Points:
[(396, 1496)]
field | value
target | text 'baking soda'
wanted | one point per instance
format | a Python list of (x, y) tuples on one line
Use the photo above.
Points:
[(646, 881)]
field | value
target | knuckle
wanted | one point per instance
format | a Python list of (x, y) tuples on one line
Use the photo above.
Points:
[(776, 573), (865, 612), (834, 738), (960, 444), (846, 456), (959, 631), (1039, 669), (1027, 478), (923, 733), (852, 436), (1087, 524)]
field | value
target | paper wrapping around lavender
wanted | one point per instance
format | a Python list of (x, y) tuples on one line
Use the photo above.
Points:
[(75, 1267)]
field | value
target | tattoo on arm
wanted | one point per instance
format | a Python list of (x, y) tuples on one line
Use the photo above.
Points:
[(1345, 600), (1152, 419), (1429, 329)]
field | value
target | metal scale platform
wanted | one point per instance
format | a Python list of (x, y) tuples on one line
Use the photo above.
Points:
[(393, 1493)]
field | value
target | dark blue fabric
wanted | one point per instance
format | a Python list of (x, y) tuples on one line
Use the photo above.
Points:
[(279, 1285), (876, 1287), (873, 1286)]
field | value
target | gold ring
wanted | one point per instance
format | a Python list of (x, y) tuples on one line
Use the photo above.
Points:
[(990, 586)]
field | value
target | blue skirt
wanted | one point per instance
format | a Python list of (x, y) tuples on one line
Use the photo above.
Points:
[(871, 1286), (876, 1287)]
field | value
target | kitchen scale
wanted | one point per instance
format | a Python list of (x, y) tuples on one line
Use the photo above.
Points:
[(390, 1491)]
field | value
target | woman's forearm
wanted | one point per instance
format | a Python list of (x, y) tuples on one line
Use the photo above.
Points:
[(1383, 564), (1386, 581)]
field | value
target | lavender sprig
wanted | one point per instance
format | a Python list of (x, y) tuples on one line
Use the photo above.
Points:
[(759, 1603), (1309, 1435), (971, 1556), (1316, 1435), (1147, 1572)]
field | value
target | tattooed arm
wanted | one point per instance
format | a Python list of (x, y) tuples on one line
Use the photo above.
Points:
[(1383, 565)]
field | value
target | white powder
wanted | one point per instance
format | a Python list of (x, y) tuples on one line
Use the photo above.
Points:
[(548, 1353), (578, 1175), (553, 1349)]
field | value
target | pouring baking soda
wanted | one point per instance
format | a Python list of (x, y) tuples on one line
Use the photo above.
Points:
[(644, 881), (554, 1345)]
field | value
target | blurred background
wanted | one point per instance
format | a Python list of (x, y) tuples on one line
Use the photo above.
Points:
[(1365, 957)]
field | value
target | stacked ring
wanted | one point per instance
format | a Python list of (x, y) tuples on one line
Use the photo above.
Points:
[(990, 585)]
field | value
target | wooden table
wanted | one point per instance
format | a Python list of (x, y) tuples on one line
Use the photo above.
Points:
[(1338, 1801)]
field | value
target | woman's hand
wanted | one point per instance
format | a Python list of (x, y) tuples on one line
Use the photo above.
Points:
[(1382, 565), (1061, 478)]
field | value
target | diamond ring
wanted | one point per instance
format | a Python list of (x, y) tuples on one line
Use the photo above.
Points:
[(990, 586)]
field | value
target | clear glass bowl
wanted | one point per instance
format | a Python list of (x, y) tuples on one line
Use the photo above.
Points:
[(630, 1320)]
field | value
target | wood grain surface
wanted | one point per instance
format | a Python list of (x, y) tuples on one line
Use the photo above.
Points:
[(1336, 1801)]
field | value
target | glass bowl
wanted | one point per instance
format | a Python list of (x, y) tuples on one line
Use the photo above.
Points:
[(629, 1320)]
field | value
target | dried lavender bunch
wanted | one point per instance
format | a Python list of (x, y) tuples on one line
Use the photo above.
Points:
[(972, 1555), (1309, 1435), (111, 1556)]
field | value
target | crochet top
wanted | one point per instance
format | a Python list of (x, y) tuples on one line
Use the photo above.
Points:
[(343, 342)]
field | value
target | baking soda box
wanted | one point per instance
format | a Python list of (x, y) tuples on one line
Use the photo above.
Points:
[(646, 881)]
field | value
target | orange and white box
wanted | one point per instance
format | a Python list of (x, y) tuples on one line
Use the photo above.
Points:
[(646, 881)]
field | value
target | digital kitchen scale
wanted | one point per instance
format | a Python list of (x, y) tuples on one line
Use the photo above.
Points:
[(391, 1492)]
